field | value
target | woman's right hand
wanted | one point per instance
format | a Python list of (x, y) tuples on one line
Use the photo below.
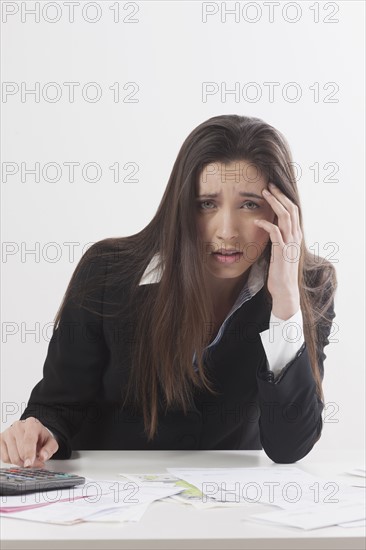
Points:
[(27, 440)]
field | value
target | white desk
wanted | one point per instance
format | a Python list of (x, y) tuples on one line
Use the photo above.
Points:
[(175, 526)]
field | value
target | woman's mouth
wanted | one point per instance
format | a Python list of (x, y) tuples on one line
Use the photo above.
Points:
[(227, 258)]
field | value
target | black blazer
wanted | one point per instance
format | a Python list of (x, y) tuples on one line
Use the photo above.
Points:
[(85, 371)]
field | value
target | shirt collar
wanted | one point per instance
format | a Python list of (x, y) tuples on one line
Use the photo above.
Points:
[(255, 282)]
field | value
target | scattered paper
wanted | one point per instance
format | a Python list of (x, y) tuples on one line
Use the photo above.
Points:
[(189, 495), (132, 513), (285, 487), (313, 517), (357, 523), (120, 498), (306, 501), (13, 503), (360, 472)]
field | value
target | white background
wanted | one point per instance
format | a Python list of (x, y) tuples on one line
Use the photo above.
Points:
[(169, 52)]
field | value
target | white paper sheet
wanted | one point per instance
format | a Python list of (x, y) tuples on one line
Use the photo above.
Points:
[(133, 513), (313, 517), (123, 496), (357, 523), (90, 488), (360, 472)]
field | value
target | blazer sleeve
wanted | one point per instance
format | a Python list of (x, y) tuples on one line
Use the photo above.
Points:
[(281, 350), (290, 419), (73, 368)]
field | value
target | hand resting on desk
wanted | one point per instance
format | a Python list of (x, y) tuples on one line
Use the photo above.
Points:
[(27, 439)]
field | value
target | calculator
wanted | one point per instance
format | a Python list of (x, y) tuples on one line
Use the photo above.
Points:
[(16, 481)]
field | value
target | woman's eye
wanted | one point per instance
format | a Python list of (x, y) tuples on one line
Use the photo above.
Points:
[(253, 207), (204, 202)]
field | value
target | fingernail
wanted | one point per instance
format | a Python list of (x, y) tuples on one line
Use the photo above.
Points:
[(45, 455), (27, 463), (271, 184), (266, 192)]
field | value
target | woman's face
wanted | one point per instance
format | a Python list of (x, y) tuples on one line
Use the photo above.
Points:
[(226, 221)]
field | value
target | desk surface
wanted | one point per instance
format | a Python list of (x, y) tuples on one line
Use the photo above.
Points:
[(174, 526)]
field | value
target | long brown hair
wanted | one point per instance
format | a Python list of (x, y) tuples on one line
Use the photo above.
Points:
[(170, 321)]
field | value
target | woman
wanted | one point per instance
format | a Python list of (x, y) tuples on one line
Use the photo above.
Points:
[(205, 330)]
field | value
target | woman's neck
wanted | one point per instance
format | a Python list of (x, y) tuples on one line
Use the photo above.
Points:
[(224, 292)]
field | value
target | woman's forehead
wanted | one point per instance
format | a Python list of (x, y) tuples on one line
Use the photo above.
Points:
[(235, 172)]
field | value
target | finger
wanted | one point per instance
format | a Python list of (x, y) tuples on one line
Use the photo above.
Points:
[(12, 449), (44, 453), (273, 230), (4, 451), (290, 206), (47, 451), (14, 457), (29, 447), (27, 439), (36, 464), (276, 191), (283, 215)]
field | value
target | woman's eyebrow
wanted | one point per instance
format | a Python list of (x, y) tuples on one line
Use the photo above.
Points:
[(241, 194)]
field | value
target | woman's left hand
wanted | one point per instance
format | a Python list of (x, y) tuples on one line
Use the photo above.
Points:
[(286, 240)]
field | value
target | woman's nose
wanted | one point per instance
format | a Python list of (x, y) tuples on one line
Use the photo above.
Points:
[(227, 226)]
